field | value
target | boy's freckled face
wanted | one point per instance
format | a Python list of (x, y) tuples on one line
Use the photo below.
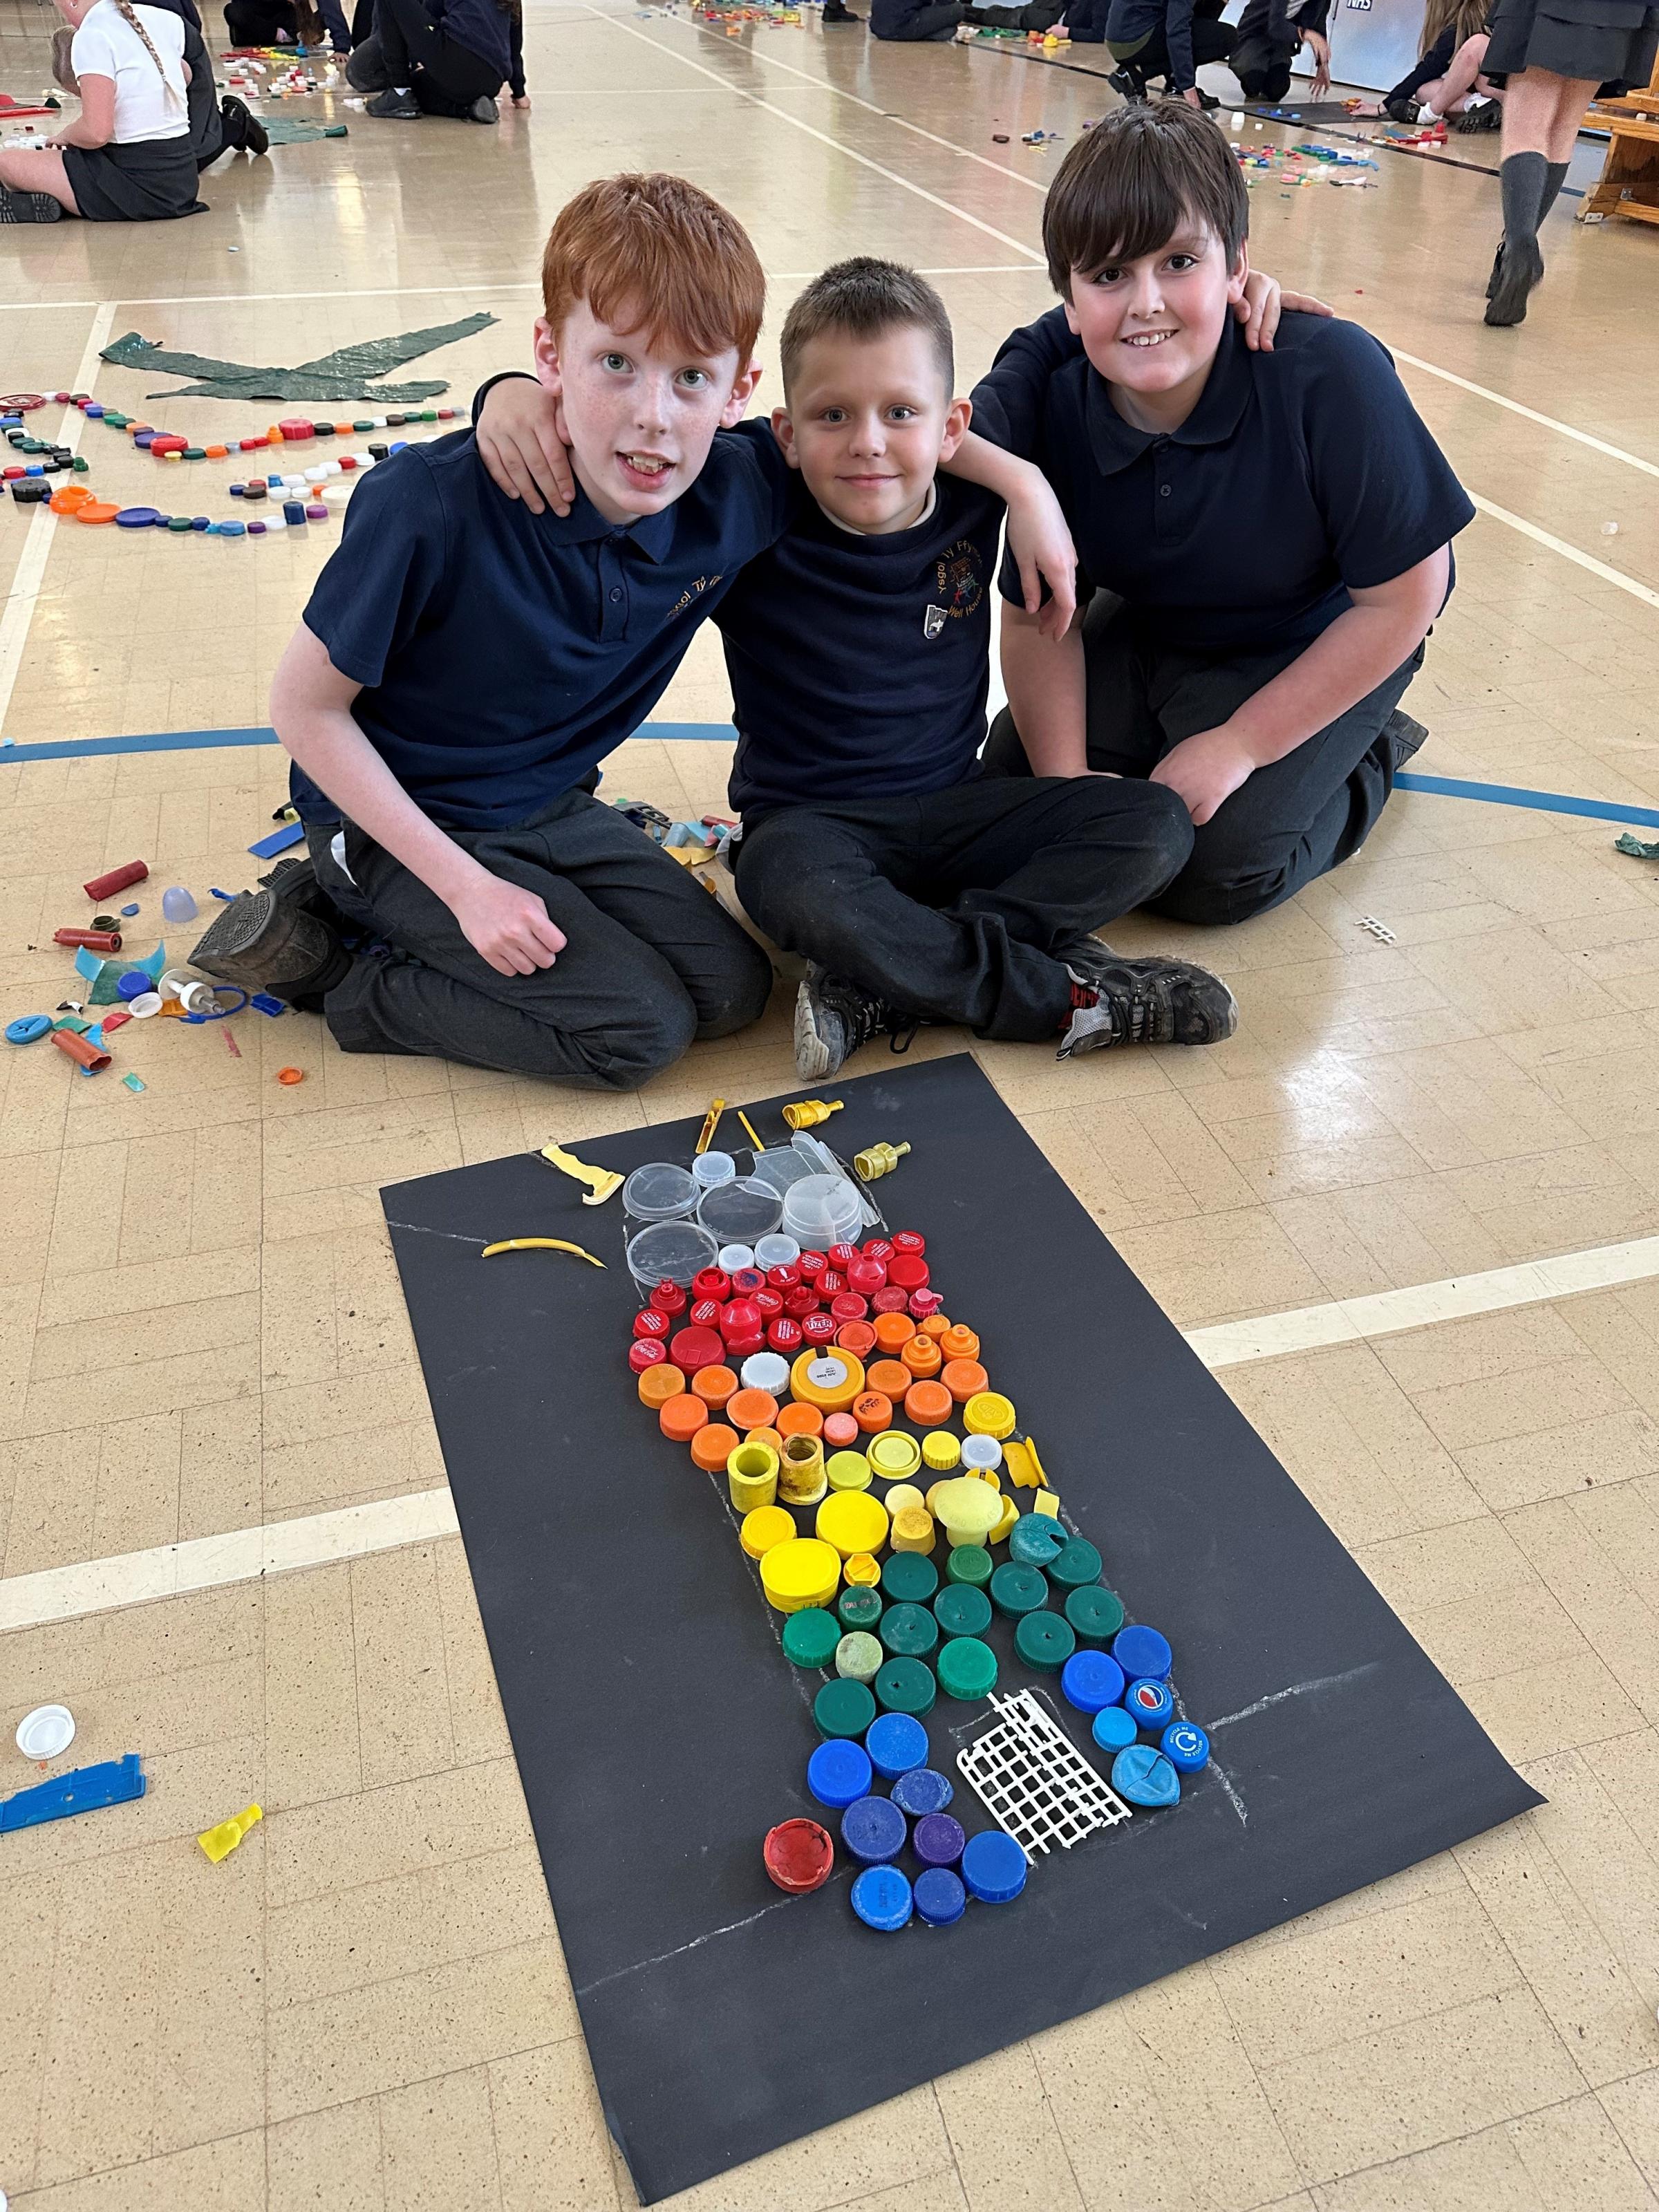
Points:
[(640, 413), (1152, 326), (867, 423)]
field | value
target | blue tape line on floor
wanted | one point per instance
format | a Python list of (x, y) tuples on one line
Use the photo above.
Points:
[(1546, 802)]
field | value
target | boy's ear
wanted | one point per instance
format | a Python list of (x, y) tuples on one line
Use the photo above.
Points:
[(783, 430), (1070, 316), (742, 390), (1241, 271), (957, 416), (545, 349)]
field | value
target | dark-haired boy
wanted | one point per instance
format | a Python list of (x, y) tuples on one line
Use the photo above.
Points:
[(1266, 535)]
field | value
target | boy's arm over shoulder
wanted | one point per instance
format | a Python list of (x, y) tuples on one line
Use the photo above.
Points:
[(1387, 493), (381, 578), (756, 461), (1010, 399)]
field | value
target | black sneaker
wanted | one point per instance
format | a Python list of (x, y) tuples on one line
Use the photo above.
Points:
[(1207, 101), (29, 207), (264, 940), (833, 12), (484, 110), (394, 106), (1489, 116), (1400, 111), (1520, 268), (1496, 264), (1404, 737), (1117, 1001), (833, 1018), (244, 132), (294, 882)]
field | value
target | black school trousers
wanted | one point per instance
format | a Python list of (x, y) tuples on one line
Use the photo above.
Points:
[(407, 47), (1289, 822), (652, 961), (957, 905)]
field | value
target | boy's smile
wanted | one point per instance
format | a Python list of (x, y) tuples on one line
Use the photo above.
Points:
[(867, 422), (1152, 326)]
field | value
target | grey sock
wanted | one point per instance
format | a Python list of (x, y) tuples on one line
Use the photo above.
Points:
[(1521, 179), (1554, 177)]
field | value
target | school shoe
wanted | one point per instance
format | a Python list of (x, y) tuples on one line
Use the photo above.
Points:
[(833, 12), (833, 1018), (268, 940), (1117, 1001), (1403, 736), (1520, 269), (394, 106), (29, 207), (1486, 115), (1400, 111), (244, 132), (1497, 264), (484, 110)]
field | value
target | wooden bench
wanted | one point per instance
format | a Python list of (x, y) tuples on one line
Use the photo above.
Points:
[(1630, 177)]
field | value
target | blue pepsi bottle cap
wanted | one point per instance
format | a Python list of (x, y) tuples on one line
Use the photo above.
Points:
[(873, 1829), (882, 1899), (921, 1790), (994, 1867), (938, 1840), (896, 1743), (1145, 1777), (1150, 1702), (838, 1772), (1143, 1651), (1114, 1729), (941, 1900), (1186, 1746), (1090, 1680)]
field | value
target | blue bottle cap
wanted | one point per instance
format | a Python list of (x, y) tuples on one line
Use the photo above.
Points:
[(1186, 1746), (1143, 1651), (838, 1772), (882, 1899), (941, 1900), (200, 522), (224, 529), (994, 1867), (27, 1028), (1145, 1777), (133, 984), (138, 518), (1090, 1680), (873, 1829), (129, 911), (896, 1743), (1114, 1729), (940, 1839), (1149, 1703), (921, 1790)]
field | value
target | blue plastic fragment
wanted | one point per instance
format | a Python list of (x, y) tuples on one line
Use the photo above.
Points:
[(921, 1790), (88, 1789), (994, 1867), (129, 911), (940, 1898), (882, 1899), (27, 1028), (1145, 1777), (278, 842), (263, 1003)]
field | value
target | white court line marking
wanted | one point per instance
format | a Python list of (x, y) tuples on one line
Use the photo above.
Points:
[(824, 138), (19, 609), (1548, 422), (1643, 591), (318, 1539)]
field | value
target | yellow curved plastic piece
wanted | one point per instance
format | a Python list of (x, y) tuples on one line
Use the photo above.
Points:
[(539, 1244), (1020, 1457), (1004, 1528), (218, 1842), (853, 1522), (602, 1183), (766, 1526), (814, 1383), (1047, 1501), (966, 1510), (989, 1414), (800, 1573)]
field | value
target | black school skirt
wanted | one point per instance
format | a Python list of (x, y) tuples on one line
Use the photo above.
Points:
[(150, 181), (1611, 43)]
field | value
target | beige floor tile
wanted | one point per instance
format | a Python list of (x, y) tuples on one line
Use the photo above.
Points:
[(229, 2170), (552, 2153), (891, 2147), (1009, 2152), (326, 2161), (1550, 2162), (438, 2145), (375, 1835)]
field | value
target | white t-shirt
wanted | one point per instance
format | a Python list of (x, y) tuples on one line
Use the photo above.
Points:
[(147, 106)]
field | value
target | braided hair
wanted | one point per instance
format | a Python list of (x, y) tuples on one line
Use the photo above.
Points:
[(124, 7)]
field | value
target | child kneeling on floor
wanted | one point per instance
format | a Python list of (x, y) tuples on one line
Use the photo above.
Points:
[(1267, 534)]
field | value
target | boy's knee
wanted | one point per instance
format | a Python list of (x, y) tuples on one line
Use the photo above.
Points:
[(740, 997), (1214, 901), (1169, 826)]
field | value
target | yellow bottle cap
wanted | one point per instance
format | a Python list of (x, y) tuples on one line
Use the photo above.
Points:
[(968, 1509), (766, 1526), (896, 1454), (989, 1414), (913, 1530), (861, 1572), (847, 1470), (905, 1494), (941, 1449), (800, 1573), (853, 1522), (828, 1378)]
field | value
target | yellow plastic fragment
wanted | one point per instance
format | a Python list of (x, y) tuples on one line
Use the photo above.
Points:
[(711, 1122), (539, 1244), (1047, 1501), (1019, 1456), (602, 1183), (218, 1842)]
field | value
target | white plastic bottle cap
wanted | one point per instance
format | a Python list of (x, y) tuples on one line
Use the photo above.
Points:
[(775, 1251), (981, 1453), (765, 1370), (733, 1256), (146, 1004), (709, 1168), (43, 1734)]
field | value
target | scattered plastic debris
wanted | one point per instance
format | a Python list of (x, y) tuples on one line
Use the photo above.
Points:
[(1379, 930), (1635, 847), (290, 1076), (218, 1842), (131, 1082), (46, 1733)]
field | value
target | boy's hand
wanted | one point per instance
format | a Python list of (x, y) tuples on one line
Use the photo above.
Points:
[(1264, 301), (507, 926), (1321, 48), (1042, 546), (1205, 770), (522, 442)]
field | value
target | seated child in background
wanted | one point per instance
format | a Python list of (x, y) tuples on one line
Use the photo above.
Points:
[(465, 663), (1167, 39), (1268, 534), (1269, 36), (1448, 78)]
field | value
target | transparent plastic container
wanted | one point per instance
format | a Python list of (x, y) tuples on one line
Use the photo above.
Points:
[(740, 1211), (781, 1168), (669, 1252), (822, 1211), (775, 1251), (658, 1192), (709, 1169)]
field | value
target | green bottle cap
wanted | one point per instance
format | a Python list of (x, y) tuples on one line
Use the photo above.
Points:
[(1076, 1566), (858, 1605), (968, 1563), (962, 1610), (810, 1636), (905, 1686), (1095, 1614), (967, 1668), (117, 422), (845, 1708), (366, 424), (1045, 1641), (194, 453), (177, 522), (910, 1632), (1016, 1589), (860, 1657), (910, 1577), (1035, 1538)]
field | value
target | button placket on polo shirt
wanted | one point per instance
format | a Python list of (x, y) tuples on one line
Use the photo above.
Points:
[(613, 588)]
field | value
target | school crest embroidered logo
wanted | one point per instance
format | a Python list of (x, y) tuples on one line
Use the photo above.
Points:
[(934, 621), (958, 583)]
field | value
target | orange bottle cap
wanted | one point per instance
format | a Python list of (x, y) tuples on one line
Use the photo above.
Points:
[(938, 1325), (799, 1421), (97, 510), (658, 1384), (928, 1403), (958, 1343), (714, 1385), (681, 1418), (856, 1337), (713, 1445), (963, 1379), (922, 1355), (891, 1378), (769, 1437), (894, 1330), (755, 1409), (873, 1410), (839, 1429)]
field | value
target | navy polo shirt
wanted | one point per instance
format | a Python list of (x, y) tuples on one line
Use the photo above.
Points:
[(502, 653), (859, 664), (1300, 474)]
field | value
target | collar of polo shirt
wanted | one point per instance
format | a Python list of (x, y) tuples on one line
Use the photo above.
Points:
[(1117, 444), (653, 534)]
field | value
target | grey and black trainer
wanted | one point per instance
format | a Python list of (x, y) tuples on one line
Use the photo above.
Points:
[(1118, 1001), (264, 940), (29, 207), (394, 106), (833, 1018)]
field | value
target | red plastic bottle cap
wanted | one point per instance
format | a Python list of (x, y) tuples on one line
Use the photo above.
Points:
[(784, 1335), (706, 1313), (856, 1337), (744, 1347), (646, 1351), (909, 1272), (847, 1305), (867, 1276), (785, 1277), (818, 1329), (743, 1318), (649, 1323), (295, 427), (812, 1265), (840, 1431), (799, 1855), (669, 1298), (831, 1283), (692, 1348), (801, 1301), (877, 1248), (924, 1304), (841, 1255), (712, 1283), (907, 1242), (889, 1301), (746, 1282), (770, 1302)]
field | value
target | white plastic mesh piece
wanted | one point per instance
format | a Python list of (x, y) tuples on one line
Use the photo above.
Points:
[(1034, 1781)]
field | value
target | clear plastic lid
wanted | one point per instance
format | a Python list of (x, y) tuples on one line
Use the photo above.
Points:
[(669, 1252), (775, 1251), (658, 1192), (740, 1211), (822, 1211), (709, 1168)]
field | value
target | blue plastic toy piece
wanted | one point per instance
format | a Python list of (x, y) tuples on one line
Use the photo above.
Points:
[(129, 911), (1149, 1703), (27, 1028), (940, 1898), (1143, 1651), (896, 1743), (882, 1899), (88, 1789), (278, 842), (1114, 1730), (1090, 1680), (263, 1003), (873, 1830), (1186, 1746), (1145, 1777), (921, 1790), (838, 1773), (994, 1868)]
